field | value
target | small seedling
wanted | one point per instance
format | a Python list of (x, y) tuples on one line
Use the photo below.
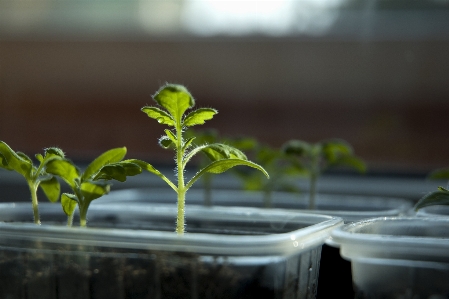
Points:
[(277, 163), (93, 182), (174, 101), (317, 158), (439, 197), (35, 176)]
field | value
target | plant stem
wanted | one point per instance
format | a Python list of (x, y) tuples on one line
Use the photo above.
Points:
[(312, 191), (70, 220), (180, 222), (83, 214), (313, 178), (267, 198), (34, 202)]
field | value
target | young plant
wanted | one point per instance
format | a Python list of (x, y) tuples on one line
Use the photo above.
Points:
[(317, 158), (174, 101), (35, 176), (93, 182), (281, 171)]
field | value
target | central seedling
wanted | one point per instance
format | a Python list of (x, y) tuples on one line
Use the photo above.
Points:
[(174, 101)]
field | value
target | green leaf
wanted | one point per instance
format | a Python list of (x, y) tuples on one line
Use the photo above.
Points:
[(160, 115), (68, 202), (218, 151), (108, 157), (297, 148), (148, 167), (166, 142), (440, 197), (3, 162), (439, 174), (334, 149), (118, 171), (199, 116), (171, 136), (176, 99), (54, 151), (51, 189), (221, 166), (18, 162), (350, 161), (93, 190), (39, 157), (65, 169), (188, 143)]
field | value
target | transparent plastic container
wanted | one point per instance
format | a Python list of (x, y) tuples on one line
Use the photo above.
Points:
[(132, 251), (349, 207), (397, 257), (434, 211)]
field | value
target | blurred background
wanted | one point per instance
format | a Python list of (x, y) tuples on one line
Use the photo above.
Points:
[(75, 74)]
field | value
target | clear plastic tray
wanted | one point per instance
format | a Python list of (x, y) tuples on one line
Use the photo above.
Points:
[(397, 257), (349, 207), (131, 251), (432, 211)]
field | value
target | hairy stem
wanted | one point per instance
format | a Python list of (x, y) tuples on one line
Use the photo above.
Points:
[(180, 222)]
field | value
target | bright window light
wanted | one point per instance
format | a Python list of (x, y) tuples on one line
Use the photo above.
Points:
[(272, 17)]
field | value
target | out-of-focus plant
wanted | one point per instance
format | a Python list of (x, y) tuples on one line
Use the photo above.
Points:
[(281, 170), (316, 158), (35, 176), (439, 197), (93, 182)]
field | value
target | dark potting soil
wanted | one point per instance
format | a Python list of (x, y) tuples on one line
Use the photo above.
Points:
[(335, 277), (116, 274)]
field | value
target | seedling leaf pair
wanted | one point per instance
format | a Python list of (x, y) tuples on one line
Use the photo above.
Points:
[(35, 176), (317, 158), (93, 182)]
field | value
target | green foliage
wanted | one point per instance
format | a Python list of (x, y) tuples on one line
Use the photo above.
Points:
[(324, 155), (440, 197), (315, 158), (277, 163), (93, 182), (439, 174), (35, 176), (174, 101)]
